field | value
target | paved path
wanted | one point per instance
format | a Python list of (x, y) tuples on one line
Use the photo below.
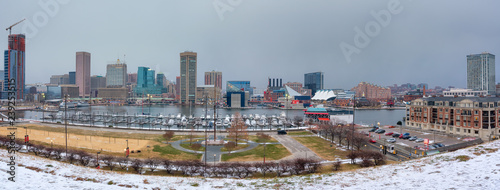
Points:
[(297, 149), (212, 150)]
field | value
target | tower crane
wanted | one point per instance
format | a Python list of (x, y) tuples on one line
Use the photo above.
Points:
[(10, 27)]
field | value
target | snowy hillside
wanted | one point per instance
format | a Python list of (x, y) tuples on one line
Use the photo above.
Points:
[(445, 171)]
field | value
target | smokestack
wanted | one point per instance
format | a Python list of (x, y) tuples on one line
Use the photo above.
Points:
[(424, 90), (274, 82), (269, 85), (281, 82)]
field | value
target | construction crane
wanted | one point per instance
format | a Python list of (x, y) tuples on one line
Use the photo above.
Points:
[(10, 27)]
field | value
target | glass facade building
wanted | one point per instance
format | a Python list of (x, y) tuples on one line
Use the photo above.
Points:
[(239, 86), (188, 68), (481, 72), (313, 81), (116, 75), (146, 82), (14, 65)]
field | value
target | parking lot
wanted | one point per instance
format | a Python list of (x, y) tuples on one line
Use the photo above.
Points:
[(382, 138)]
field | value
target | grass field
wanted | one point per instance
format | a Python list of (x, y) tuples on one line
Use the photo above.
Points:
[(169, 152), (322, 148), (187, 146), (254, 138), (299, 133), (273, 152), (239, 147)]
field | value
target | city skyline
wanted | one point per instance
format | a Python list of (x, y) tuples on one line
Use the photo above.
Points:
[(243, 41)]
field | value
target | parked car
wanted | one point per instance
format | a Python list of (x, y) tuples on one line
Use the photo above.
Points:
[(419, 140), (396, 135), (401, 136), (406, 137), (414, 138), (372, 141), (364, 133), (439, 144), (380, 131), (373, 130), (391, 140), (281, 132), (407, 134), (392, 126), (389, 133)]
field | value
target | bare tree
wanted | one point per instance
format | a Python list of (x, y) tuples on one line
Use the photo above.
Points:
[(353, 156), (58, 153), (153, 163), (109, 160), (336, 165), (297, 120), (123, 162), (168, 135), (137, 165), (37, 149), (167, 164), (263, 137), (230, 146), (47, 152), (358, 140), (238, 129), (84, 158), (72, 156)]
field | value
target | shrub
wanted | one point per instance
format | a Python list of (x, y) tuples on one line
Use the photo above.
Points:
[(196, 146), (336, 165), (137, 165)]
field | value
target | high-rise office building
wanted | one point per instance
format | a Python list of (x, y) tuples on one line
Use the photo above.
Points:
[(188, 67), (132, 78), (146, 82), (213, 78), (116, 75), (82, 75), (177, 88), (97, 82), (14, 65), (313, 81), (481, 72), (72, 76)]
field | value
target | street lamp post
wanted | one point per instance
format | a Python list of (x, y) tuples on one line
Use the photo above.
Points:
[(98, 165), (66, 120), (214, 158)]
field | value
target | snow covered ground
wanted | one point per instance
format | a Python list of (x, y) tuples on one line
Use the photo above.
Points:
[(442, 171)]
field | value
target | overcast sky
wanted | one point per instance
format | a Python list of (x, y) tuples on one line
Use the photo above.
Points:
[(423, 42)]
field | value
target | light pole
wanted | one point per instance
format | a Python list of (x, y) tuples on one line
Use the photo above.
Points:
[(353, 112), (98, 165), (66, 120), (265, 152), (214, 158)]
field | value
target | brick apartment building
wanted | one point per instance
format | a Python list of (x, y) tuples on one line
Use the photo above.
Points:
[(467, 116), (372, 92)]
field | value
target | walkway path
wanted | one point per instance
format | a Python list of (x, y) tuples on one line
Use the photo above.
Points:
[(297, 149)]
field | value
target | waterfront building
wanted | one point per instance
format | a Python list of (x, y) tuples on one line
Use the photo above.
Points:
[(481, 72), (208, 91), (96, 83), (314, 81), (113, 93), (213, 78), (371, 92), (237, 99), (146, 82), (70, 89), (239, 86), (82, 73), (177, 88), (116, 75), (14, 65), (464, 92), (188, 71), (413, 95), (465, 116)]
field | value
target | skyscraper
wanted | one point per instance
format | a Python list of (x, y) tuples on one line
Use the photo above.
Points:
[(146, 82), (82, 75), (14, 64), (72, 76), (481, 72), (213, 78), (313, 81), (116, 75), (188, 76)]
